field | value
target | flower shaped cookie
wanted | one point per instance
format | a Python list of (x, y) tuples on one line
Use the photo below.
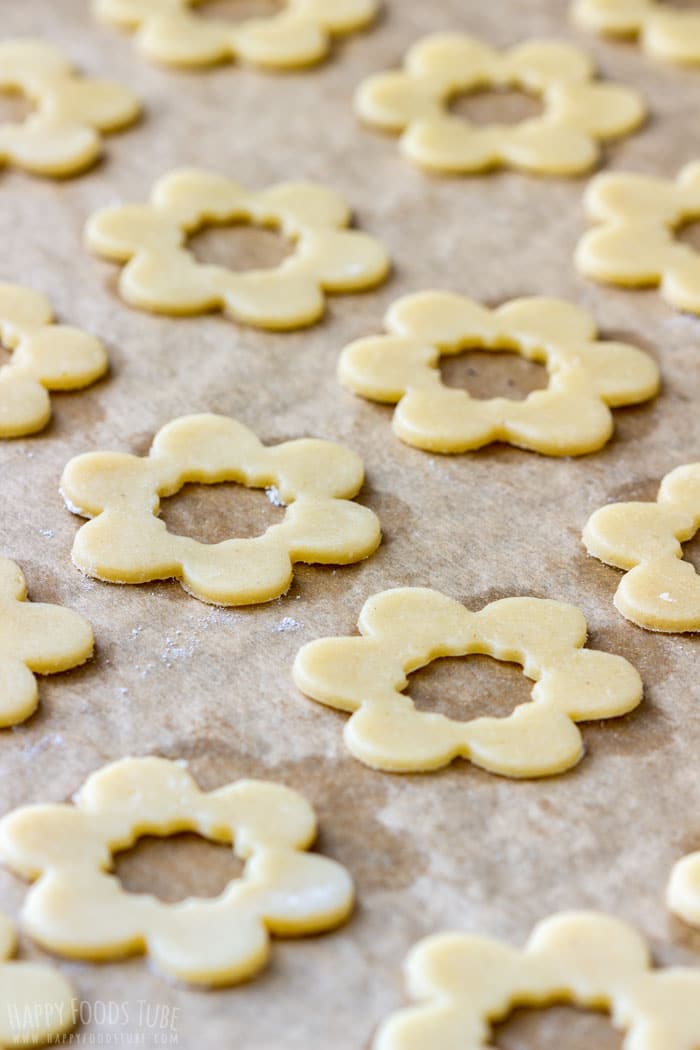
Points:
[(170, 31), (36, 1002), (63, 136), (35, 638), (578, 112), (46, 357), (635, 244), (465, 984), (78, 909), (163, 276), (659, 590), (408, 628), (569, 418), (665, 33), (128, 543), (683, 892)]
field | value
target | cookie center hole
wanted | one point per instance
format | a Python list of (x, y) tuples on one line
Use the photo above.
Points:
[(682, 5), (212, 513), (691, 551), (240, 10), (485, 374), (689, 233), (464, 687), (15, 107), (176, 867), (240, 246), (496, 106), (556, 1028)]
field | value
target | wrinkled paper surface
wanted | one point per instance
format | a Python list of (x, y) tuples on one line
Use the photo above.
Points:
[(455, 849)]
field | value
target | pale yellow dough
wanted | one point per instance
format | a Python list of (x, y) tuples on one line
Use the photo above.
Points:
[(579, 113), (659, 590), (128, 543), (683, 892), (35, 638), (465, 984), (663, 31), (37, 1004), (635, 244), (408, 628), (45, 357), (161, 275), (63, 137), (78, 909), (569, 418), (172, 32)]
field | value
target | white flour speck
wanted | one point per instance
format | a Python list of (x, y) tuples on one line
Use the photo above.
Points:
[(55, 740), (274, 497), (288, 623)]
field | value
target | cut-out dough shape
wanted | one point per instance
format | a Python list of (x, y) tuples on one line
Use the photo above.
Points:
[(464, 984), (579, 113), (37, 1004), (35, 638), (408, 628), (161, 275), (665, 33), (127, 543), (46, 357), (63, 137), (569, 418), (78, 909), (683, 892), (171, 31), (635, 244), (659, 590)]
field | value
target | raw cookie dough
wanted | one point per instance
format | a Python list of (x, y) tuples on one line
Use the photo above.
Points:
[(464, 984), (569, 418), (409, 627), (35, 638), (128, 543), (63, 136), (659, 590), (161, 275), (635, 244), (46, 357), (683, 893), (171, 31), (579, 113), (663, 31), (37, 1004), (76, 908)]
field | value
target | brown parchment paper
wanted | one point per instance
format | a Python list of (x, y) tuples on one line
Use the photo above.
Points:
[(455, 849)]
